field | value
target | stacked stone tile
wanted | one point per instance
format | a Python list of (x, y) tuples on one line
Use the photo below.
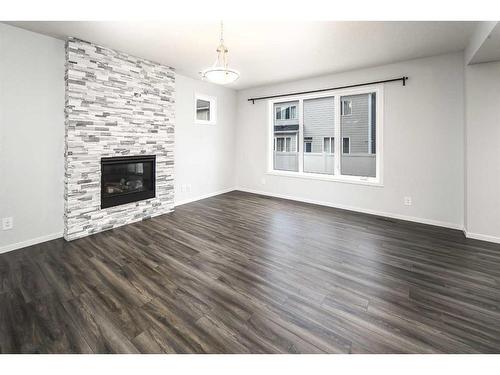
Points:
[(116, 105)]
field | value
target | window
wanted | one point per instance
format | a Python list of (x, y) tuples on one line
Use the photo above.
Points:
[(329, 145), (319, 124), (358, 133), (307, 144), (286, 112), (346, 145), (283, 144), (346, 107), (286, 137), (205, 109), (315, 121)]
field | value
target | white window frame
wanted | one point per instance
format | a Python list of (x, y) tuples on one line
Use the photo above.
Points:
[(213, 109), (349, 152), (337, 177)]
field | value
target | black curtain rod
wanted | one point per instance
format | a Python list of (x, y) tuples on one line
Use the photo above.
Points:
[(404, 79)]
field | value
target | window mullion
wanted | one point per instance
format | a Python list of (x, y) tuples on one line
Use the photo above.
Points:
[(337, 139), (300, 146)]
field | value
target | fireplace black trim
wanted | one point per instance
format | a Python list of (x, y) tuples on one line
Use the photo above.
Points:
[(117, 200)]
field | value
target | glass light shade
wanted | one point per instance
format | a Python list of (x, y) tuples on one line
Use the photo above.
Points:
[(220, 76)]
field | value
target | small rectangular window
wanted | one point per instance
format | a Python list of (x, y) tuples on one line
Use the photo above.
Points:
[(205, 109), (293, 112), (346, 107), (346, 145), (278, 113), (307, 146), (279, 144)]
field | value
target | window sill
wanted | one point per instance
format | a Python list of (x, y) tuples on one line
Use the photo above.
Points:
[(316, 176)]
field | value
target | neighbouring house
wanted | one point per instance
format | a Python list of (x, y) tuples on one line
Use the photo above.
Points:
[(358, 144)]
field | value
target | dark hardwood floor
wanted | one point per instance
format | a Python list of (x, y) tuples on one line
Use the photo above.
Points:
[(243, 273)]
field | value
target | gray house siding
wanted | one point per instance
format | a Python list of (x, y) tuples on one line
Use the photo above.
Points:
[(319, 121)]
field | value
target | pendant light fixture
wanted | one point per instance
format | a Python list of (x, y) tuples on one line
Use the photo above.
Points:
[(219, 73)]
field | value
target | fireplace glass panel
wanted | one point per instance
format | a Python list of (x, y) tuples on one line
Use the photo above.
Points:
[(125, 180)]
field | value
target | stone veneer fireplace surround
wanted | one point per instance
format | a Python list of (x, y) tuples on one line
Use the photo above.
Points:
[(116, 105)]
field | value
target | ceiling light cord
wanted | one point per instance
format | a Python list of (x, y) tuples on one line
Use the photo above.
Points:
[(221, 49), (221, 32)]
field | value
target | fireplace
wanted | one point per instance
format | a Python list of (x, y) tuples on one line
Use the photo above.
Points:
[(127, 179)]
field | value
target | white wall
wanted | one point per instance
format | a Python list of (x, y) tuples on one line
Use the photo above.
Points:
[(482, 82), (423, 144), (31, 136), (204, 154)]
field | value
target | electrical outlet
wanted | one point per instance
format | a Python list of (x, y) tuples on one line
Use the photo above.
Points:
[(263, 181), (407, 201), (7, 223)]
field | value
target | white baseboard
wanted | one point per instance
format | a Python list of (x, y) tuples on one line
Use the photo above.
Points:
[(482, 237), (477, 236), (32, 241), (358, 209), (189, 200)]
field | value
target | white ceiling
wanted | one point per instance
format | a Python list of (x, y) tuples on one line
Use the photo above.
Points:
[(490, 47), (266, 52)]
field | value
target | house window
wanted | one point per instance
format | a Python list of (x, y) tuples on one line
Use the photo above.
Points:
[(205, 109), (288, 112), (346, 145), (346, 107), (308, 144), (329, 145), (283, 144), (314, 121)]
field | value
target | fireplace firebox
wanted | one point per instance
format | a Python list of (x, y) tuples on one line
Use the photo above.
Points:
[(127, 179)]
